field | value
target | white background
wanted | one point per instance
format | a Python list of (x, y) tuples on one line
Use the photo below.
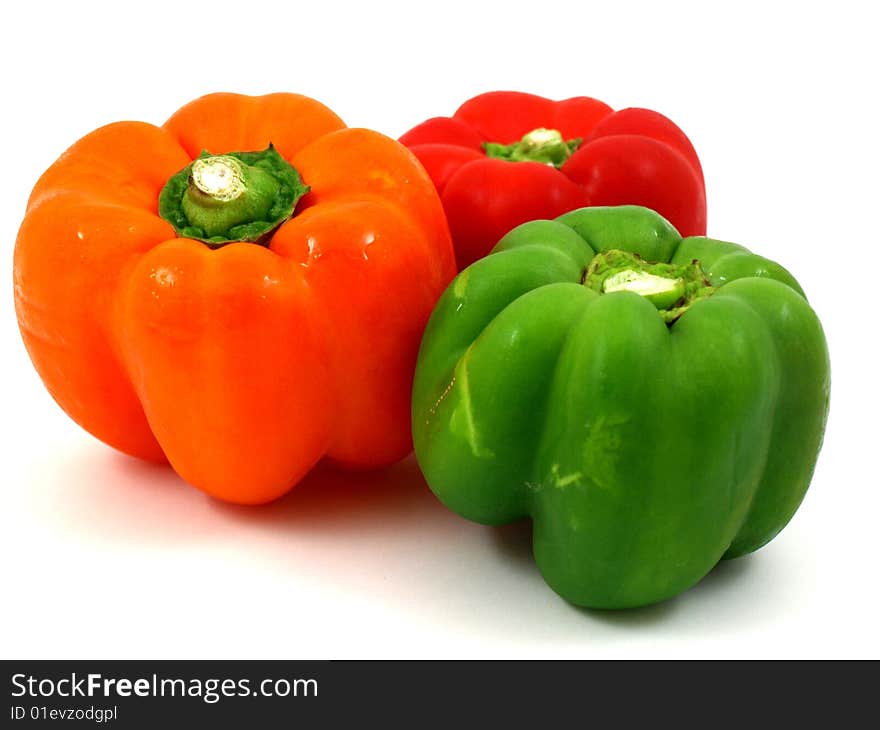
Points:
[(103, 556)]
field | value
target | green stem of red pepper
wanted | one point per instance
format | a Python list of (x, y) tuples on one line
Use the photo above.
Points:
[(539, 145)]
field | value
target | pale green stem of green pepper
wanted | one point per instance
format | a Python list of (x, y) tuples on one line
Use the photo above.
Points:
[(671, 288)]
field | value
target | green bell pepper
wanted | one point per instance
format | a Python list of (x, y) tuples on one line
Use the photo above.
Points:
[(651, 418)]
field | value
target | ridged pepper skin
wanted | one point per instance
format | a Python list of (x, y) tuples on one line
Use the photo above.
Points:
[(644, 452), (630, 156), (246, 364)]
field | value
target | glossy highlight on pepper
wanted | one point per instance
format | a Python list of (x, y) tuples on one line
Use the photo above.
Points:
[(650, 427), (263, 315)]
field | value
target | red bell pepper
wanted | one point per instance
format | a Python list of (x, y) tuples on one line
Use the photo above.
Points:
[(506, 157)]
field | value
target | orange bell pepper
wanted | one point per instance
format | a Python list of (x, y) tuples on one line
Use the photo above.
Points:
[(241, 364)]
